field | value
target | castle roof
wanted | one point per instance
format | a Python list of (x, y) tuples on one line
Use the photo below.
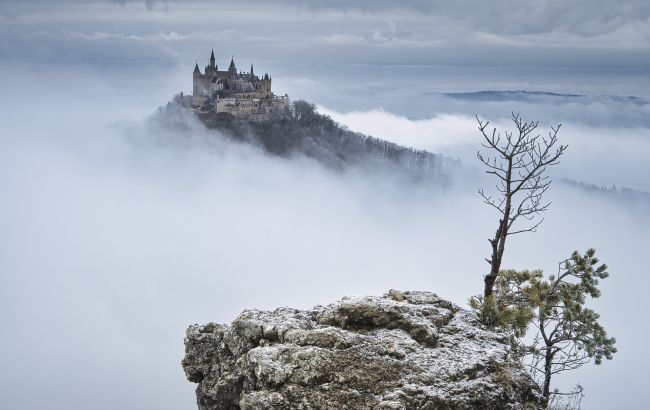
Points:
[(196, 68), (212, 55), (232, 64)]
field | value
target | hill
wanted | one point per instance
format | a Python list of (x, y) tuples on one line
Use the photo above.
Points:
[(301, 130)]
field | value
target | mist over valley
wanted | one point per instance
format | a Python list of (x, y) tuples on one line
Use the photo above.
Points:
[(125, 219)]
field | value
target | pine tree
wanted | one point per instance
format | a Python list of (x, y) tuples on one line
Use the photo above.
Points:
[(567, 335)]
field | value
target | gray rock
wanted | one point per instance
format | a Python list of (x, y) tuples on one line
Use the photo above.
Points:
[(405, 350)]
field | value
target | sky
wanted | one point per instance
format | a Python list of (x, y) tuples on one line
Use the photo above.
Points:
[(118, 232)]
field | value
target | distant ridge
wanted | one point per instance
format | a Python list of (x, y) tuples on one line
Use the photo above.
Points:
[(523, 95), (623, 194)]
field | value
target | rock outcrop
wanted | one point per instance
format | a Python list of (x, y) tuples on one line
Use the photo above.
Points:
[(405, 350)]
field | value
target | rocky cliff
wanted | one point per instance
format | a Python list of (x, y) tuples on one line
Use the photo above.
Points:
[(404, 350)]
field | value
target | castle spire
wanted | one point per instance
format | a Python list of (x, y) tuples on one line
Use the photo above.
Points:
[(252, 69), (212, 61), (232, 70), (196, 68)]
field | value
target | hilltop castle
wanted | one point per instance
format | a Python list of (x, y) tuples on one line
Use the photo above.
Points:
[(242, 94)]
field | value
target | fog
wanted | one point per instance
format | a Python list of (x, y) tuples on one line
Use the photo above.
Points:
[(117, 231), (604, 154)]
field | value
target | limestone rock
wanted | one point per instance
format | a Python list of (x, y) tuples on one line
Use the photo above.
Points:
[(405, 350)]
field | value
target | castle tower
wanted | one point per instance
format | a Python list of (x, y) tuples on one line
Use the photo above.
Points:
[(197, 81), (266, 86), (252, 74), (212, 61), (232, 70)]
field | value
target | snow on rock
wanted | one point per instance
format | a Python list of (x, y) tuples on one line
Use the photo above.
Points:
[(404, 350)]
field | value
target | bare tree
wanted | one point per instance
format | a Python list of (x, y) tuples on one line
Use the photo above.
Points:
[(519, 161)]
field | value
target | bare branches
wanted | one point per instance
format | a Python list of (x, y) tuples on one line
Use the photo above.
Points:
[(530, 229), (519, 160), (521, 163), (489, 200)]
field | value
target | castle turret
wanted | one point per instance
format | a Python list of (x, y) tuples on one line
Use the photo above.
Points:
[(252, 74), (212, 61)]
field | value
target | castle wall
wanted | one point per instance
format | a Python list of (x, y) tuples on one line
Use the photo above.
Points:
[(254, 107)]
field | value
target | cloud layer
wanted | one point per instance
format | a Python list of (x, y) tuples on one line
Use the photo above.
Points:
[(117, 233), (577, 33)]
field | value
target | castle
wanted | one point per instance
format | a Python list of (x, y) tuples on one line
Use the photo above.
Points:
[(242, 94)]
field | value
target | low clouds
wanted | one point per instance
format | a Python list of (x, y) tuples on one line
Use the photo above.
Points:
[(98, 35), (434, 135), (148, 4), (117, 235), (611, 153), (118, 232)]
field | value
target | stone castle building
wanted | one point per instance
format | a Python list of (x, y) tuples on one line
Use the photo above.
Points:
[(242, 94)]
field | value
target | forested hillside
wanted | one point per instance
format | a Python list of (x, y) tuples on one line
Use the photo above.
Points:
[(301, 130)]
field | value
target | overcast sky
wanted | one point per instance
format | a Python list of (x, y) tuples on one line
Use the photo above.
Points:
[(585, 33), (117, 233)]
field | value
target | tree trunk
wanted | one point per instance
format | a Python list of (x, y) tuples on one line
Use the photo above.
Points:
[(548, 360), (498, 246), (499, 242)]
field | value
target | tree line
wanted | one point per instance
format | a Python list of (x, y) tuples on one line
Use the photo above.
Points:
[(301, 130)]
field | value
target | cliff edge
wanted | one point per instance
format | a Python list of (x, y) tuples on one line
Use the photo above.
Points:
[(404, 350)]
